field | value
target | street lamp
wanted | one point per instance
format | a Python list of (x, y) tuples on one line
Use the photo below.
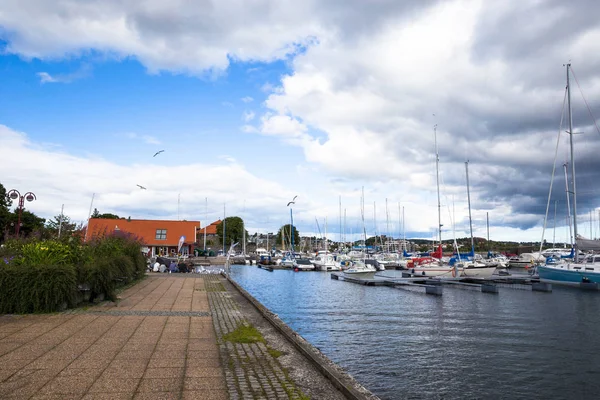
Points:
[(292, 223), (13, 195)]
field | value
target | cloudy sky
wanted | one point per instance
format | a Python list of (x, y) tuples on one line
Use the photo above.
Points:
[(257, 101)]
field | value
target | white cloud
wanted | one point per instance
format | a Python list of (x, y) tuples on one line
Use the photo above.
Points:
[(60, 178), (227, 104), (83, 72), (247, 99), (145, 138), (248, 116)]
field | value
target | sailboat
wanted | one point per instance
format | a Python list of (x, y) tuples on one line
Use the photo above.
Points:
[(432, 266), (575, 272), (359, 268), (472, 267)]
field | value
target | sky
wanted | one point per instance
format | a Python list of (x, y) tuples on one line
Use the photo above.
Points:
[(259, 101)]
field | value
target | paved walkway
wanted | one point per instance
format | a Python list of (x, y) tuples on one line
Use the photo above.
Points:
[(158, 342)]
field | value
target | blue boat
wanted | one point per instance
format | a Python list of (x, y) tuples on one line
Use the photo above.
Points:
[(571, 273)]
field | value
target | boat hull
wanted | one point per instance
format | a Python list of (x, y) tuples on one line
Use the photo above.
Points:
[(479, 272), (441, 271), (360, 275), (566, 275)]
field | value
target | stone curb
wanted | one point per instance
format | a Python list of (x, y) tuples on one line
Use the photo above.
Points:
[(347, 385)]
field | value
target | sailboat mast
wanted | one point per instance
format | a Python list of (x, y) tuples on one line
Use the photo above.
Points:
[(572, 163), (487, 223), (340, 223), (437, 175), (469, 201), (554, 234), (387, 221), (568, 204)]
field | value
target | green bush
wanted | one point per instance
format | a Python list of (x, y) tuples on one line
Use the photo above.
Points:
[(37, 288), (43, 276)]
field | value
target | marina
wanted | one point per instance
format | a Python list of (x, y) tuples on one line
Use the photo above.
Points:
[(463, 344)]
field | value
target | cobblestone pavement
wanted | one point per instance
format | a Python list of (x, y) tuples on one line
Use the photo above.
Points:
[(157, 342), (251, 371)]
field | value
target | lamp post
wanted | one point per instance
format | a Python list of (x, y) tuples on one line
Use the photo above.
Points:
[(13, 195), (292, 222)]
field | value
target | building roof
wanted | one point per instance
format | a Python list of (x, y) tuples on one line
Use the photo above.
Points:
[(145, 229), (210, 229)]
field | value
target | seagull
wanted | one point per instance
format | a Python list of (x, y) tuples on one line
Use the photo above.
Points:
[(157, 153), (141, 187), (292, 202)]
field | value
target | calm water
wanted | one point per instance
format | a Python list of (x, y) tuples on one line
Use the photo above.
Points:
[(462, 345)]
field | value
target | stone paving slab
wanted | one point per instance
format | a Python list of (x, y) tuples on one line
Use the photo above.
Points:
[(163, 339)]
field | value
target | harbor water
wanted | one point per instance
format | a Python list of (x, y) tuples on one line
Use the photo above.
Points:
[(465, 344)]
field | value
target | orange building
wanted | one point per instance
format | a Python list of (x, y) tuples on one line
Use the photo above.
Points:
[(159, 237)]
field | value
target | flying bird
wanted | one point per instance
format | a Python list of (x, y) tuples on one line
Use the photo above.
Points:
[(141, 187), (292, 202), (157, 153)]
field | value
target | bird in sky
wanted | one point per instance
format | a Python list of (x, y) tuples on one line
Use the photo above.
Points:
[(292, 202), (157, 153), (141, 187)]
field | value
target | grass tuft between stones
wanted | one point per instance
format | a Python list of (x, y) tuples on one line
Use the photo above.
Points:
[(244, 334)]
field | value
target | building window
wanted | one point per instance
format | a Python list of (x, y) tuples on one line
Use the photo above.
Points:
[(161, 234)]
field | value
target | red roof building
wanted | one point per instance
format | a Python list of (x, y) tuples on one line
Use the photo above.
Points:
[(158, 236)]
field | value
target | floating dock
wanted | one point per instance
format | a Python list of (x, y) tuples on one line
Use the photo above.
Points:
[(434, 286)]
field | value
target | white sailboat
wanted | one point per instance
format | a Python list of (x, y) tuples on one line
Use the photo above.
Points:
[(436, 268), (359, 268), (572, 272), (473, 268)]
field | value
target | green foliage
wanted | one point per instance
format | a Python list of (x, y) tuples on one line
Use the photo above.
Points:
[(60, 223), (234, 228), (44, 253), (35, 289), (285, 230), (106, 274), (96, 214), (42, 276)]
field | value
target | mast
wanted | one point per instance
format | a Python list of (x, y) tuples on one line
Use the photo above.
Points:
[(487, 222), (470, 219), (340, 223), (437, 175), (375, 223), (89, 216), (568, 205), (572, 164), (362, 213), (403, 231), (554, 234), (60, 219), (387, 221)]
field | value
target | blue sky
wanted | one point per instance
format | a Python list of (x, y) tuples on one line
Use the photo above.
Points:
[(254, 105)]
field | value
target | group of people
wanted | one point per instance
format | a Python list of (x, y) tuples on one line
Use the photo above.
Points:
[(161, 266)]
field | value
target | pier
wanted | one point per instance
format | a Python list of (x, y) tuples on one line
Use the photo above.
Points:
[(434, 285)]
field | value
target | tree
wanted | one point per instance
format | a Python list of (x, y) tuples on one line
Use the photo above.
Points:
[(67, 227), (96, 214), (5, 218), (285, 229), (29, 222), (234, 230)]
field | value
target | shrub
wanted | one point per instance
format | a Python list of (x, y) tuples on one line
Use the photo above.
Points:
[(36, 288), (106, 274)]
